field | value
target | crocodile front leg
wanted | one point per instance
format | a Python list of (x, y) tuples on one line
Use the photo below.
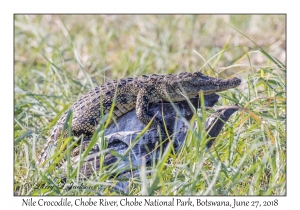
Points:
[(143, 114)]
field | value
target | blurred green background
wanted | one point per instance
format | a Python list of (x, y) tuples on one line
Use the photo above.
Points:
[(123, 45)]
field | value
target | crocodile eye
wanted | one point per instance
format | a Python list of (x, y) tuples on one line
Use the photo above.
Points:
[(195, 75)]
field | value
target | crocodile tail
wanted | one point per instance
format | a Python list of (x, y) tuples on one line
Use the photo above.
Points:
[(50, 144), (44, 153), (52, 140)]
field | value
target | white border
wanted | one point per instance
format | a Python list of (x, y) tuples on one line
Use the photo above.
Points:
[(217, 6)]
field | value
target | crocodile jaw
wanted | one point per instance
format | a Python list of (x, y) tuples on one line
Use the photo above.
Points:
[(197, 82), (218, 85)]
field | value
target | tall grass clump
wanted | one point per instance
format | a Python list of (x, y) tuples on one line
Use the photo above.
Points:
[(60, 57)]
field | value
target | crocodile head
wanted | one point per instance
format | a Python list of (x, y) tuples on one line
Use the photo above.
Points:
[(193, 83)]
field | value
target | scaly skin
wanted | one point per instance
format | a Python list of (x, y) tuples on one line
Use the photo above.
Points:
[(133, 93)]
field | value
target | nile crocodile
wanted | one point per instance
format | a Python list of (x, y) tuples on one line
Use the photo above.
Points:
[(134, 93)]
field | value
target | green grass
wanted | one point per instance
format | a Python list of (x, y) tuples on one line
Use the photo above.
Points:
[(59, 58)]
